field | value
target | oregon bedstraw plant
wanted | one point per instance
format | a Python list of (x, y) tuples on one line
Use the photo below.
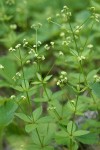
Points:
[(53, 86)]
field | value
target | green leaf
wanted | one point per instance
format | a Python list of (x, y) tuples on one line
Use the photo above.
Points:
[(30, 127), (62, 134), (10, 68), (40, 99), (80, 132), (57, 95), (18, 88), (39, 77), (49, 92), (96, 88), (25, 84), (36, 83), (74, 52), (71, 127), (37, 113), (7, 112), (47, 78), (24, 117), (90, 138), (46, 119), (91, 74)]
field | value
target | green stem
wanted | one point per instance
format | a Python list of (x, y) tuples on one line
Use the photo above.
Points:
[(74, 37), (39, 137), (24, 77), (71, 142), (56, 113)]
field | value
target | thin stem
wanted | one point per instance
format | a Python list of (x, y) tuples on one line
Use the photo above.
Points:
[(88, 37), (82, 24), (50, 69), (56, 23), (39, 137), (74, 37), (24, 77), (36, 41)]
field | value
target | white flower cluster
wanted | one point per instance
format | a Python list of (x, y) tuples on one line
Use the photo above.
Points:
[(61, 53), (14, 49), (66, 14), (25, 43), (96, 78), (80, 58), (67, 41), (78, 29), (62, 79), (23, 97), (94, 15), (17, 76), (48, 46), (49, 19), (51, 108), (36, 26), (36, 55)]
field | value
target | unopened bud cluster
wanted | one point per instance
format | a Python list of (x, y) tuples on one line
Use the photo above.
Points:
[(62, 79), (36, 26), (48, 46), (94, 15), (52, 108), (14, 49), (17, 76), (96, 78), (66, 14), (80, 58)]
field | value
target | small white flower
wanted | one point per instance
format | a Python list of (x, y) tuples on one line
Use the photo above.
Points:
[(52, 43), (62, 34), (49, 19), (18, 74), (63, 73), (36, 26), (1, 66), (47, 47), (39, 43), (30, 52), (52, 108), (14, 78), (57, 15), (95, 76), (61, 53), (36, 55), (25, 43), (23, 97), (11, 49), (80, 58), (34, 45), (90, 46), (65, 7), (65, 43), (43, 58), (12, 96), (17, 46), (28, 61), (13, 26)]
